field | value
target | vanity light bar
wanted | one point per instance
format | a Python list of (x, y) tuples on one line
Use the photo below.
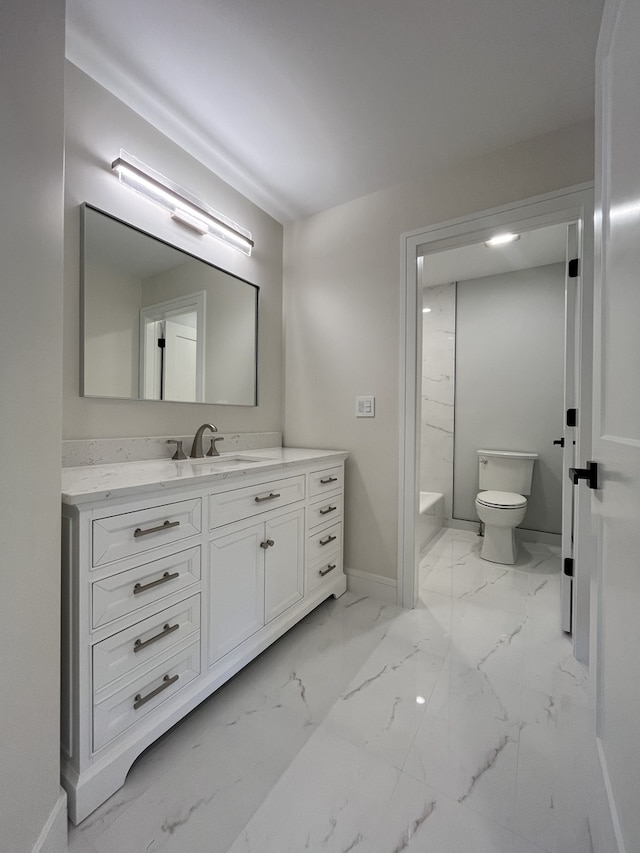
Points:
[(142, 179)]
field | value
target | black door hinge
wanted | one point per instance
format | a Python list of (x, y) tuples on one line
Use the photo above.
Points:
[(568, 566), (572, 417), (573, 268), (161, 343)]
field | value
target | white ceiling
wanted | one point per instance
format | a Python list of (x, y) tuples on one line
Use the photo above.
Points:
[(304, 104), (534, 249)]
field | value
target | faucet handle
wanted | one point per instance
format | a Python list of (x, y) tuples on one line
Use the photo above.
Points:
[(213, 450), (179, 454)]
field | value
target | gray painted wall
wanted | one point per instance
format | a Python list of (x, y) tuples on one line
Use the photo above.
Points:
[(509, 383), (31, 158), (342, 323), (98, 125)]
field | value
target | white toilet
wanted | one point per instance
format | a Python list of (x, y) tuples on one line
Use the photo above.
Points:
[(504, 479)]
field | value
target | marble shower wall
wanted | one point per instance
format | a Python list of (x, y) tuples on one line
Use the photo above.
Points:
[(438, 392)]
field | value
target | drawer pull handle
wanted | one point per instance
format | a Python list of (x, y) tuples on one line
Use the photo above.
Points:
[(140, 532), (328, 509), (142, 644), (326, 480), (139, 700), (268, 544), (138, 588), (326, 571), (327, 539), (268, 497)]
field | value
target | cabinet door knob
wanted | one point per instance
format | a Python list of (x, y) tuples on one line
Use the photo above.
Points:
[(267, 544)]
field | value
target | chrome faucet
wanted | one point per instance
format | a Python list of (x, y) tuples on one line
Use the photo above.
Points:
[(196, 447)]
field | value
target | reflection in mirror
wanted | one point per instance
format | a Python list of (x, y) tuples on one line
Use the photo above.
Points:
[(160, 324)]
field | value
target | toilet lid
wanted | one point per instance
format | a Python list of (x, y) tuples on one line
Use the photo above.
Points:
[(502, 499)]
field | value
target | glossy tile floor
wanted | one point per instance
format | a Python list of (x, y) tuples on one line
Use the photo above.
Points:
[(458, 726)]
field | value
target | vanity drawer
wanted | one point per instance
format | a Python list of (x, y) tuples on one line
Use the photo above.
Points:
[(236, 504), (325, 511), (324, 543), (122, 594), (138, 697), (326, 569), (141, 643), (330, 480), (131, 533)]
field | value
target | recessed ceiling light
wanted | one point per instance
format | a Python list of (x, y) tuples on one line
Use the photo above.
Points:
[(426, 310), (502, 239)]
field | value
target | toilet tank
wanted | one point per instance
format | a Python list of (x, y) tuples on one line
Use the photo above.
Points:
[(505, 471)]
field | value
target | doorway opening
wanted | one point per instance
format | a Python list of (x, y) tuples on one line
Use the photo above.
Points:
[(172, 355), (428, 255)]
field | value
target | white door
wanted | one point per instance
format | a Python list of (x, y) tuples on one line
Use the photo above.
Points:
[(180, 362), (616, 421)]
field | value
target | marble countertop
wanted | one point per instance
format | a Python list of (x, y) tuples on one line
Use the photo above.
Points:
[(88, 483)]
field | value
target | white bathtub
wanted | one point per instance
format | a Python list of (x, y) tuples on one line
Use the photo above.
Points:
[(430, 515)]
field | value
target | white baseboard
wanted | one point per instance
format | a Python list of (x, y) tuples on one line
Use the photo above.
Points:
[(459, 524), (539, 536), (53, 838), (524, 534), (606, 828), (375, 586)]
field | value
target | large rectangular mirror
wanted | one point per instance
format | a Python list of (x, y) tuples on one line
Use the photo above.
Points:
[(161, 324)]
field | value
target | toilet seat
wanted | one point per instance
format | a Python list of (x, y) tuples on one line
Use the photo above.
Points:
[(501, 500)]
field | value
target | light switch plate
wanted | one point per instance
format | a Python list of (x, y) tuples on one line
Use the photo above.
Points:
[(365, 407)]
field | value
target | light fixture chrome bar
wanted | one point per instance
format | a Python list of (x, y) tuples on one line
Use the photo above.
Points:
[(195, 216)]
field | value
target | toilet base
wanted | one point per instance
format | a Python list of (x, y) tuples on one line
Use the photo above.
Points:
[(499, 545)]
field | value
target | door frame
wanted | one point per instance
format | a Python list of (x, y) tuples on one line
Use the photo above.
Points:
[(165, 310), (573, 204)]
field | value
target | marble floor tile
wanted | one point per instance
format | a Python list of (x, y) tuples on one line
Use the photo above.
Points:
[(384, 704), (419, 818), (320, 745), (488, 639), (428, 624), (545, 808), (467, 744), (201, 801), (330, 799), (79, 844)]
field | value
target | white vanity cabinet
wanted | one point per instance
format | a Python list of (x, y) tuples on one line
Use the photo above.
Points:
[(169, 589), (255, 574)]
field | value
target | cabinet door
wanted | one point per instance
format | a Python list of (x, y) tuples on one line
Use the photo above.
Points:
[(236, 589), (284, 563)]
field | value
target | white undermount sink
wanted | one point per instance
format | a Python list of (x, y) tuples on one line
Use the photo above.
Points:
[(224, 461)]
